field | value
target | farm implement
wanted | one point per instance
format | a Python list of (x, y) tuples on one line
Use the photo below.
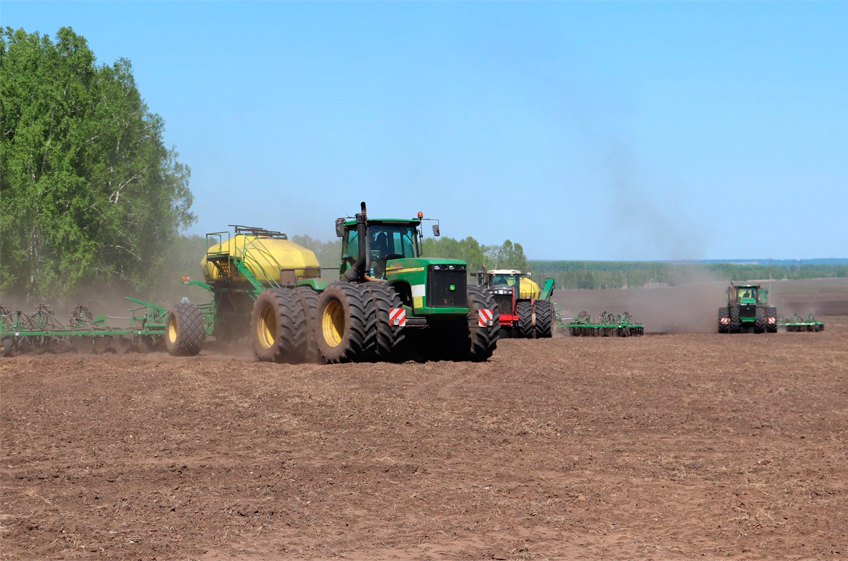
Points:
[(42, 331), (608, 325), (389, 304), (798, 323)]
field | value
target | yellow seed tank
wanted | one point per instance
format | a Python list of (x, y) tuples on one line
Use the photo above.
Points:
[(263, 256), (528, 288)]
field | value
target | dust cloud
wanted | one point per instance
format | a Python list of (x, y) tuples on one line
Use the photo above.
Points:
[(647, 228), (658, 230), (690, 308)]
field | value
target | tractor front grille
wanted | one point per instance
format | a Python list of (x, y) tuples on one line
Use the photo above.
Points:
[(748, 310), (503, 298), (440, 279)]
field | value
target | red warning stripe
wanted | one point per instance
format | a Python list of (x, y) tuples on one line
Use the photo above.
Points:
[(484, 317), (397, 316)]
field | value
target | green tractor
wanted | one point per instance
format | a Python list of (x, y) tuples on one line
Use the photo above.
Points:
[(389, 304), (747, 310)]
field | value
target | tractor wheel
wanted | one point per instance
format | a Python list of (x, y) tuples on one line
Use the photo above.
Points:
[(278, 326), (185, 330), (7, 346), (484, 340), (345, 323), (524, 311), (309, 301), (723, 313), (389, 338), (544, 317), (771, 313), (735, 322), (760, 320)]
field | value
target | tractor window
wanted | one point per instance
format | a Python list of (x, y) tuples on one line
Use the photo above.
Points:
[(504, 280), (746, 293), (393, 240)]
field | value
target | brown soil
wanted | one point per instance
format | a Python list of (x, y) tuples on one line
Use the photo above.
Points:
[(675, 446)]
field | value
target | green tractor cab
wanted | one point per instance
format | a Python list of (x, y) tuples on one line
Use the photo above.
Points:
[(747, 310)]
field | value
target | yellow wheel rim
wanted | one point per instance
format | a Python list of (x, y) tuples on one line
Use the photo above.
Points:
[(267, 327), (172, 329), (333, 323)]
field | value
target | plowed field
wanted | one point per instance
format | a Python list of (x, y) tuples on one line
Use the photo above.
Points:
[(675, 446)]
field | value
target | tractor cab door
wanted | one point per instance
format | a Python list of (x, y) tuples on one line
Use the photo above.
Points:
[(350, 250)]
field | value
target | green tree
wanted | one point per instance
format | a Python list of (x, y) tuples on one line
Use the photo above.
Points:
[(89, 192), (510, 256), (469, 250)]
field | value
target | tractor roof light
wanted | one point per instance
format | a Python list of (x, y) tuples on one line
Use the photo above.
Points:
[(420, 215)]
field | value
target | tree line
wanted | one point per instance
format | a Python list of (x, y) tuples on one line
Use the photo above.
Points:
[(508, 255), (627, 274), (188, 251), (90, 194)]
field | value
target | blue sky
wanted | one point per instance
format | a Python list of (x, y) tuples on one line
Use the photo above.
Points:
[(580, 130)]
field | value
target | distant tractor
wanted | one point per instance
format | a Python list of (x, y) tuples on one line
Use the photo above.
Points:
[(747, 310), (525, 310)]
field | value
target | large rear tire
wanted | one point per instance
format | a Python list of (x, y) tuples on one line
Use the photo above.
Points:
[(544, 319), (484, 340), (771, 313), (345, 325), (309, 301), (735, 322), (278, 326), (524, 310), (184, 330), (723, 314), (388, 338), (760, 320)]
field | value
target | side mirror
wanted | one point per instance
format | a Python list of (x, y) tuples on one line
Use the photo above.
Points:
[(528, 275), (436, 230), (340, 227)]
